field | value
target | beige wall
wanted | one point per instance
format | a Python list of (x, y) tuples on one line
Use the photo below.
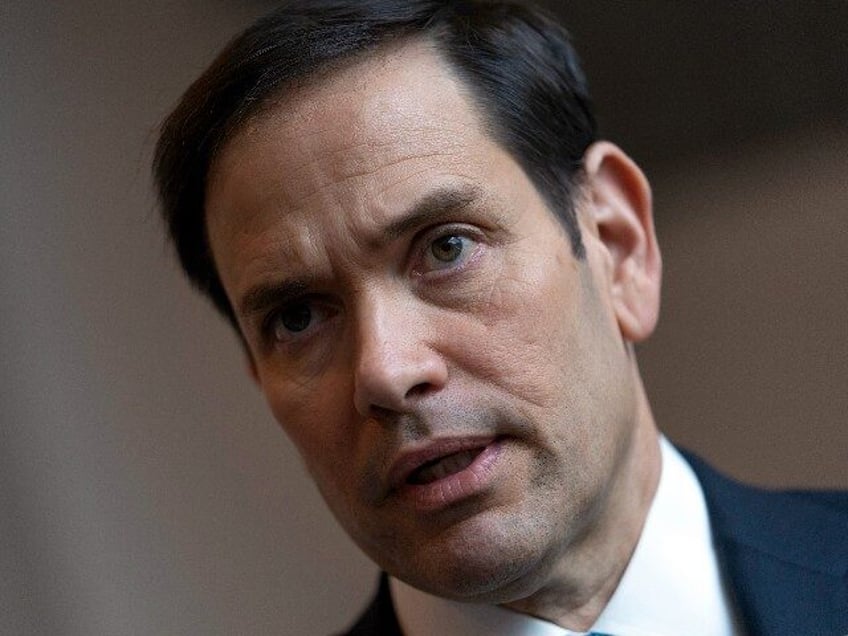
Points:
[(750, 362), (143, 487)]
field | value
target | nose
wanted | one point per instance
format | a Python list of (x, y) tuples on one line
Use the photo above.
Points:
[(396, 361)]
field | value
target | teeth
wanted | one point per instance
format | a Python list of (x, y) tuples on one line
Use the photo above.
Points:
[(443, 467)]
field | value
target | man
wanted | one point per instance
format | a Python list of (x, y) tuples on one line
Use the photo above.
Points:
[(438, 275)]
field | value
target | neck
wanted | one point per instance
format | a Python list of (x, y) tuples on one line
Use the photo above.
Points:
[(589, 570)]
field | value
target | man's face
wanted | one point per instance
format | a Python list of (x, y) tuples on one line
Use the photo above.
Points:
[(454, 379)]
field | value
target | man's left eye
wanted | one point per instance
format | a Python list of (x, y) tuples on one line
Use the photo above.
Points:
[(447, 249)]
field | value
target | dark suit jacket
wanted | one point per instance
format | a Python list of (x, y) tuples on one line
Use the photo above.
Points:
[(783, 554)]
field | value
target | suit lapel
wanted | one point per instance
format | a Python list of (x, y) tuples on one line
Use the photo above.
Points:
[(784, 554)]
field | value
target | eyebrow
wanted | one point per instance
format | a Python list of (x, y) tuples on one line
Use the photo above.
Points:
[(434, 207), (261, 298)]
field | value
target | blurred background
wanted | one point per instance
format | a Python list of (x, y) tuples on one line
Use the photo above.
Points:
[(144, 489)]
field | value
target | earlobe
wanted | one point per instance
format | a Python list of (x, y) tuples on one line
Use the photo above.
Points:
[(621, 211)]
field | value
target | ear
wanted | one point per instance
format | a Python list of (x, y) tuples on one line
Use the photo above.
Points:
[(621, 213)]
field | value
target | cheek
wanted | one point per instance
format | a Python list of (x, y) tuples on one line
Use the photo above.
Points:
[(525, 338), (316, 416)]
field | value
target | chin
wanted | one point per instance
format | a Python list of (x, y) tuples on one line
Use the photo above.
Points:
[(478, 563)]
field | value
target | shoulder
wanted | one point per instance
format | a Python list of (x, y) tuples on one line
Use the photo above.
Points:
[(783, 552), (790, 522), (728, 499)]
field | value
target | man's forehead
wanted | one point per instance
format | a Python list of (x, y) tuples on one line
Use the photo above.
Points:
[(382, 112), (366, 85)]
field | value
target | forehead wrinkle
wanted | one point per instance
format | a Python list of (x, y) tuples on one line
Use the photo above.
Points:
[(365, 156), (407, 176), (279, 255)]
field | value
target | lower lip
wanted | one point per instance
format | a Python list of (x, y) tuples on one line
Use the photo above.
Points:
[(450, 490)]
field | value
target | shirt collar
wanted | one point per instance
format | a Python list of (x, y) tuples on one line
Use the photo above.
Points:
[(671, 586)]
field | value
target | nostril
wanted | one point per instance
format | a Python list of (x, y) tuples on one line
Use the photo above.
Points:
[(381, 413), (419, 390)]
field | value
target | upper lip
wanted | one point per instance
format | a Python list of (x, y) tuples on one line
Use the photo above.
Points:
[(408, 461)]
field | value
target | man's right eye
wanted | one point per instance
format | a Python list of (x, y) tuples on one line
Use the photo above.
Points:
[(294, 319), (288, 322), (297, 320)]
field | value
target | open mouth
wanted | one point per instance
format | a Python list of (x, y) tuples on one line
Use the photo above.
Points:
[(443, 467), (445, 472)]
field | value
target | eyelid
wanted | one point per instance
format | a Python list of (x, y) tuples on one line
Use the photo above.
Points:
[(317, 304)]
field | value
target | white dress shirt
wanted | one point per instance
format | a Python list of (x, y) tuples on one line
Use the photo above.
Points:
[(671, 586)]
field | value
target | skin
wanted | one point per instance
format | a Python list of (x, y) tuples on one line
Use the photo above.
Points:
[(400, 283)]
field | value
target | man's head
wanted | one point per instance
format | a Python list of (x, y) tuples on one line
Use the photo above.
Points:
[(446, 341), (517, 64)]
